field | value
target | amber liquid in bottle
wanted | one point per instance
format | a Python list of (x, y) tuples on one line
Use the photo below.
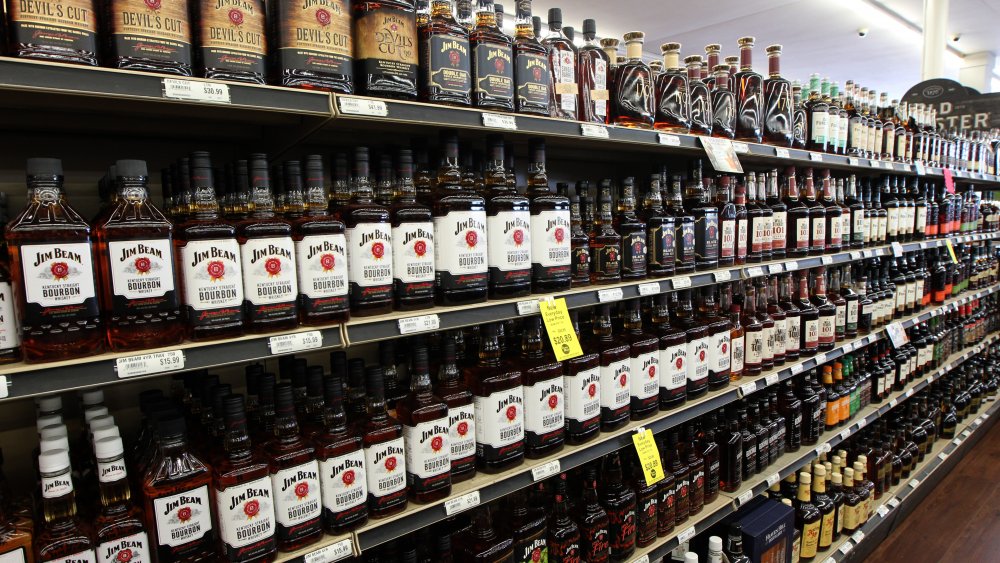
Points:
[(386, 65), (593, 76), (62, 536), (634, 100), (424, 417), (562, 69), (499, 403), (544, 424), (619, 502), (119, 528), (605, 242), (413, 242), (719, 343), (699, 96), (508, 223), (633, 233), (385, 461), (341, 457), (492, 62), (322, 65), (532, 77), (673, 110), (131, 32), (461, 413), (778, 106), (644, 360), (615, 371), (817, 217), (580, 243), (551, 244)]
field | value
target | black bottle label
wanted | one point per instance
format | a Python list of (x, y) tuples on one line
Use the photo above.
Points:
[(233, 36), (665, 507), (534, 81), (660, 238), (647, 515), (707, 238), (596, 546), (634, 250), (447, 63), (606, 260), (685, 243), (581, 262), (533, 548), (494, 74), (387, 51)]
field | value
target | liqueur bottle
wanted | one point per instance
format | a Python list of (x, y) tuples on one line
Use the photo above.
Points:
[(484, 545), (544, 424), (808, 519), (386, 64), (209, 255), (492, 62), (723, 105), (176, 499), (159, 39), (634, 100), (244, 498), (461, 267), (461, 414), (52, 267), (659, 232), (615, 368), (818, 117), (593, 76), (800, 118), (749, 90), (605, 242), (582, 393), (551, 247), (314, 47), (619, 502), (233, 41), (580, 243), (142, 302), (699, 97), (532, 77), (644, 364), (341, 457), (673, 110), (62, 536), (508, 221), (426, 434), (706, 220), (778, 106), (413, 238), (562, 69), (633, 233), (382, 436), (564, 534), (594, 523), (49, 31), (267, 254), (499, 406)]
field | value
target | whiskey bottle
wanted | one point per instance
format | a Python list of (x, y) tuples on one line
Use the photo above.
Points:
[(644, 364), (562, 69), (778, 214), (176, 498), (341, 457), (749, 442), (723, 104), (527, 528), (61, 536), (619, 502), (582, 393), (426, 435), (808, 518), (605, 242), (461, 268), (382, 436), (777, 316), (737, 334), (54, 32), (385, 65), (593, 76), (731, 454), (757, 221), (790, 408), (133, 34), (633, 233), (499, 406), (808, 319), (580, 243), (777, 121), (793, 318), (551, 247), (564, 535), (667, 500), (544, 423), (119, 529), (798, 220), (142, 306), (532, 77), (646, 496), (684, 238), (673, 356), (593, 522), (302, 56), (492, 62), (484, 545), (699, 97), (15, 537), (728, 221), (673, 465), (634, 100), (461, 414), (413, 236), (818, 117), (240, 56), (712, 52), (369, 243), (742, 222), (615, 368), (753, 332), (835, 296), (697, 345), (696, 468), (706, 220), (800, 119), (749, 90), (508, 222), (719, 327), (673, 109)]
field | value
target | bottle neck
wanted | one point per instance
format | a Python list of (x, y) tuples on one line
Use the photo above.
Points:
[(746, 58), (774, 65), (113, 484)]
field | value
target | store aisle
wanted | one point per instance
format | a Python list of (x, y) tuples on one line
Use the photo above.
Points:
[(959, 520)]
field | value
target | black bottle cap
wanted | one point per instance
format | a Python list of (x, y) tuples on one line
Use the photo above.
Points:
[(555, 18), (536, 24), (374, 380), (283, 401), (405, 156), (299, 372), (569, 32), (387, 352), (219, 395), (421, 358), (293, 175), (235, 409), (313, 165), (171, 426), (131, 168), (338, 363), (314, 381), (253, 373), (355, 372), (589, 28), (44, 167), (267, 381), (333, 388), (200, 159), (361, 154)]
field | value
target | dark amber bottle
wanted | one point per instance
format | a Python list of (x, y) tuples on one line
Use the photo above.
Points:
[(633, 103), (499, 403), (593, 522), (706, 220), (619, 502), (582, 393), (673, 355), (528, 528), (580, 244), (341, 457), (426, 434), (605, 242), (382, 436), (461, 413), (564, 535), (644, 361), (484, 545), (776, 118), (633, 233), (233, 42), (660, 252), (719, 342), (728, 220), (594, 77), (53, 31), (700, 98), (151, 39), (508, 224), (413, 242), (817, 217), (492, 62), (532, 78), (551, 244), (615, 371), (62, 536), (684, 240), (544, 425), (673, 107), (646, 497), (562, 69), (697, 344), (385, 64), (312, 45)]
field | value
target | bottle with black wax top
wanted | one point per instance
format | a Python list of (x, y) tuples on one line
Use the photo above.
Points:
[(499, 406), (582, 392), (532, 77), (562, 69), (696, 468), (673, 355), (461, 412), (385, 461), (426, 434), (619, 501), (646, 496), (386, 64), (710, 452), (341, 457), (508, 223), (369, 244), (579, 243), (564, 534), (528, 528), (551, 244), (413, 238), (593, 521), (615, 370), (706, 220), (492, 61), (633, 233), (644, 363)]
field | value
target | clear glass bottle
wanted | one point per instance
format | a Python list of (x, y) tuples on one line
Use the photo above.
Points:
[(461, 413), (562, 68), (594, 77), (508, 223), (385, 461), (341, 458), (499, 402), (673, 110), (633, 103), (749, 90)]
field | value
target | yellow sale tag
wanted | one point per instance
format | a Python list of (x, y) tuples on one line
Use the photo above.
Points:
[(649, 456), (563, 338), (951, 250)]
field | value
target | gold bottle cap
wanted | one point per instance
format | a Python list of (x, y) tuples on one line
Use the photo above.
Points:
[(619, 59), (691, 59), (609, 42), (773, 49), (720, 68), (746, 41), (713, 48), (656, 65), (732, 60), (634, 36), (669, 47)]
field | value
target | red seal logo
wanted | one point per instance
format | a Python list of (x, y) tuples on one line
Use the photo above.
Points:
[(236, 17), (471, 238), (536, 73), (378, 250), (436, 443), (511, 413), (142, 264), (216, 270), (536, 554), (327, 261), (251, 509), (348, 477), (184, 514), (60, 270), (592, 390), (454, 58), (273, 267), (323, 17), (153, 4), (553, 401), (560, 234), (701, 356), (463, 428), (124, 556), (499, 65), (652, 372), (302, 490), (518, 237), (420, 248), (390, 463), (651, 511), (679, 363), (623, 380)]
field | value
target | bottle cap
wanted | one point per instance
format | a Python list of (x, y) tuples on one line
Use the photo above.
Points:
[(338, 362), (48, 420), (93, 412), (714, 543), (61, 443), (555, 18), (53, 461), (421, 359), (107, 448), (102, 422), (44, 167), (374, 379), (837, 478), (283, 400), (172, 425), (95, 397), (690, 557), (356, 372), (314, 381), (107, 432), (54, 431), (633, 36), (234, 406), (589, 27), (131, 168), (52, 403), (201, 159)]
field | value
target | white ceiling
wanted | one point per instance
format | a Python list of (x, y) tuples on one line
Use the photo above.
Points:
[(818, 35)]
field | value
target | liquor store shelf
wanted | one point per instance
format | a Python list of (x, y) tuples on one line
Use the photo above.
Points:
[(28, 380), (486, 488)]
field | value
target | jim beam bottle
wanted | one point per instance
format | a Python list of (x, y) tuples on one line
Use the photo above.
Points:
[(582, 393), (313, 44), (61, 537), (50, 30), (426, 434), (461, 412), (551, 228), (386, 62), (619, 501), (499, 406), (532, 78), (150, 35), (10, 332), (644, 364), (615, 371), (508, 222), (53, 271), (544, 396), (605, 242), (492, 62), (660, 255), (369, 243), (233, 42), (413, 238), (385, 460), (446, 66), (580, 244), (564, 534), (341, 457)]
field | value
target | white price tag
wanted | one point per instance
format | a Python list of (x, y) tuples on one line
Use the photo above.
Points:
[(869, 253), (643, 559), (910, 392), (545, 470), (874, 163), (844, 434), (781, 153), (596, 131), (4, 390), (830, 560), (195, 91), (820, 359), (686, 535), (914, 483), (754, 272), (422, 323), (669, 140), (887, 165), (897, 334), (845, 547), (529, 307), (957, 441), (462, 503), (145, 364), (858, 536), (925, 245), (613, 294), (897, 249), (723, 276), (853, 160), (965, 433), (816, 157), (862, 423), (797, 369), (920, 169), (894, 501), (893, 403), (772, 479), (362, 106), (771, 379), (288, 343), (499, 121), (857, 255), (942, 456), (826, 260), (680, 282), (649, 288), (776, 268), (748, 388), (741, 148), (332, 552), (744, 498), (947, 368), (882, 510), (791, 266)]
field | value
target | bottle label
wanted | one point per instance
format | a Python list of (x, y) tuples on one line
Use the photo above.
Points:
[(706, 243), (660, 236), (55, 487), (737, 357), (623, 525), (462, 432), (645, 378), (583, 400), (183, 518), (673, 367), (543, 413), (387, 50), (883, 228), (581, 262), (130, 549), (779, 230), (719, 352), (10, 337), (811, 333), (606, 260), (794, 334), (345, 485), (111, 471), (845, 228), (836, 230), (533, 80), (599, 94), (564, 79), (921, 219), (428, 455), (321, 263), (446, 65), (213, 288), (780, 337), (81, 557), (533, 548), (893, 221), (918, 291), (818, 233), (841, 318), (297, 502), (768, 233), (826, 529), (820, 127), (385, 469), (509, 247), (270, 284), (802, 234), (768, 350), (697, 360), (494, 72), (634, 254), (615, 385), (911, 293), (58, 283), (827, 329), (246, 519), (727, 245), (550, 243), (568, 551), (742, 228), (500, 418), (370, 257), (158, 31), (316, 36), (142, 276), (858, 138), (596, 547), (755, 347), (859, 226), (460, 259), (413, 258), (686, 244), (233, 35)]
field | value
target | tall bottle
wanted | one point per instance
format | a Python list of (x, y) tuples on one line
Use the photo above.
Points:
[(484, 545), (706, 220), (508, 222), (633, 100), (426, 434), (697, 344), (413, 237), (579, 241), (778, 105), (620, 503), (684, 240), (615, 371), (492, 61), (544, 395), (605, 242), (382, 436), (808, 519), (341, 457), (532, 77), (644, 360), (551, 228), (723, 104), (593, 522), (633, 233), (461, 414), (817, 216), (564, 535), (593, 76), (673, 111), (62, 535), (562, 69), (528, 528), (499, 406), (699, 97), (386, 65), (749, 90)]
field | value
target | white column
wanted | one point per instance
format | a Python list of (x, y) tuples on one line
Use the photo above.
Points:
[(935, 38), (977, 70)]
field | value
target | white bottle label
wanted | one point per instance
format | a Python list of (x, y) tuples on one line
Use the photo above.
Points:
[(583, 395), (918, 291), (780, 337), (245, 513), (858, 137), (55, 487), (19, 555), (755, 347), (921, 219), (673, 367), (600, 83), (819, 126), (644, 370), (841, 315), (718, 351), (893, 221), (183, 518), (385, 467), (141, 269), (727, 244), (427, 451), (697, 358), (500, 418), (58, 274), (212, 270), (852, 312), (741, 237), (297, 494), (794, 327), (509, 245), (369, 254), (81, 557), (778, 232), (738, 354), (544, 403), (911, 293), (836, 230), (615, 386), (462, 431), (859, 225), (344, 481), (461, 243), (827, 330), (321, 264), (111, 471), (269, 270), (802, 233), (550, 238), (413, 252), (812, 333), (10, 336), (130, 549), (768, 351), (818, 232)]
